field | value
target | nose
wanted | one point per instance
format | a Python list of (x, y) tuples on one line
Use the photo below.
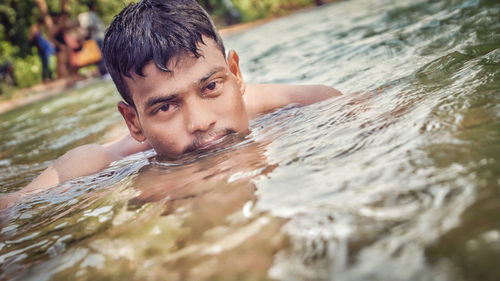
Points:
[(199, 116)]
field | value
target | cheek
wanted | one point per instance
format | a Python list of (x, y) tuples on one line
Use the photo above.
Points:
[(239, 111), (235, 114), (165, 138), (232, 106)]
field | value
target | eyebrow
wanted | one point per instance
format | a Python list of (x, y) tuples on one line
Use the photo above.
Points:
[(155, 100), (215, 70)]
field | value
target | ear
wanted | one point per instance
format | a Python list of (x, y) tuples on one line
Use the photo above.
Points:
[(130, 115), (233, 62)]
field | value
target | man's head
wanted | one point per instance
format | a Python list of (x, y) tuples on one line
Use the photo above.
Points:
[(168, 63), (154, 30)]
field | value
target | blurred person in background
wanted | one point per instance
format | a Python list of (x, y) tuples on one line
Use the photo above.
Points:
[(66, 39), (93, 28), (44, 47)]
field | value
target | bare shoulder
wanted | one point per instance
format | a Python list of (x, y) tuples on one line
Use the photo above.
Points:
[(84, 160), (126, 145), (261, 98), (81, 161)]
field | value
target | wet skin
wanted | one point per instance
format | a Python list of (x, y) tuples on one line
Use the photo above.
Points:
[(192, 107)]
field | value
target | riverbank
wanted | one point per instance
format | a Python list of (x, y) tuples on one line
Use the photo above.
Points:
[(41, 91)]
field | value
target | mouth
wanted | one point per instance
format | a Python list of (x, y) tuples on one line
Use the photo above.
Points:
[(204, 146), (211, 141)]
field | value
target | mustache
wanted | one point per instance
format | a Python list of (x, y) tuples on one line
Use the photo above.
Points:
[(201, 139)]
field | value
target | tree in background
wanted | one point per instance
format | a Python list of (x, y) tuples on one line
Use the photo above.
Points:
[(222, 11), (15, 48)]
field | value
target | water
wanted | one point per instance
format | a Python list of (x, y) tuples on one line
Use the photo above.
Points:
[(398, 182)]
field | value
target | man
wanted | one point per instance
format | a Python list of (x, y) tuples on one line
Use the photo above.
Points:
[(181, 93), (94, 27)]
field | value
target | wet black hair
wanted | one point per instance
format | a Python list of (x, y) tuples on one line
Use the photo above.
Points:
[(157, 31)]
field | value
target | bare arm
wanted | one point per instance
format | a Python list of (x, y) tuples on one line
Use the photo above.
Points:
[(262, 98), (81, 161), (85, 160)]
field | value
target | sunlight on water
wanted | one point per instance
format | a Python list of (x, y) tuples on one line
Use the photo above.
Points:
[(396, 180)]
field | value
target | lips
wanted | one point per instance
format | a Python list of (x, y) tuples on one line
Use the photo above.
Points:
[(212, 141), (209, 141)]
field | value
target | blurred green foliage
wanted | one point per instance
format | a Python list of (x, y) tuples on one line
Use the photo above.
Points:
[(16, 17), (257, 9)]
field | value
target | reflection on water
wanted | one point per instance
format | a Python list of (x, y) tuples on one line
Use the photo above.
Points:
[(399, 182)]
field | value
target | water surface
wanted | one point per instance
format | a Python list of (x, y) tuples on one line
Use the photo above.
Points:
[(397, 182)]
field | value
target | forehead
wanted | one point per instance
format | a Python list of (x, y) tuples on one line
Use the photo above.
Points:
[(185, 70)]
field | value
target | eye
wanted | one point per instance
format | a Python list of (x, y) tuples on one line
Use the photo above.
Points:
[(212, 87), (164, 107)]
